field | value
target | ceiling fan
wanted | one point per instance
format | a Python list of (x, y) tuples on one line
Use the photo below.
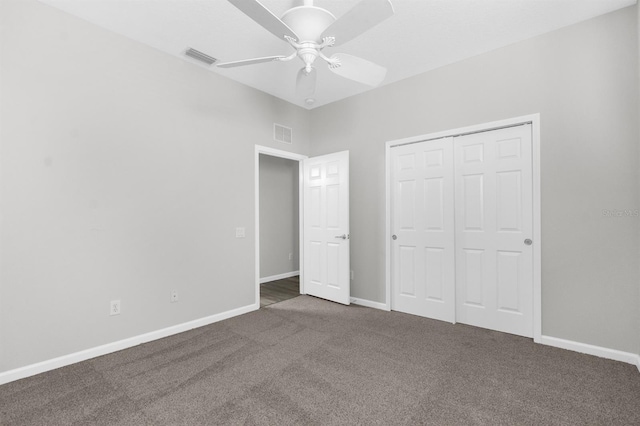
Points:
[(310, 29)]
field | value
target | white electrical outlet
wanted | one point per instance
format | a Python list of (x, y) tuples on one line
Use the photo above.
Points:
[(290, 256), (115, 307), (174, 296), (239, 232)]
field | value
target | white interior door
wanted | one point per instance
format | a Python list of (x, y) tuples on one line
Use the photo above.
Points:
[(422, 246), (326, 227), (494, 225)]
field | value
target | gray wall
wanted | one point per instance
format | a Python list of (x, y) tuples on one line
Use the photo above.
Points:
[(583, 80), (279, 220), (124, 172)]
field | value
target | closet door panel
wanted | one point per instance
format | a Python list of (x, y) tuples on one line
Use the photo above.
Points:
[(423, 254), (494, 218)]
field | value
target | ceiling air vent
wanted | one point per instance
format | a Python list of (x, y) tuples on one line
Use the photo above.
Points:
[(282, 134), (199, 56)]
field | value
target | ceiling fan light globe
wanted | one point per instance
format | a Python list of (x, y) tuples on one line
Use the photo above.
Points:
[(308, 22)]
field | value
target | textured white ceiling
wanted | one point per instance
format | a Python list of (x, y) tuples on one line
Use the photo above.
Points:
[(421, 36)]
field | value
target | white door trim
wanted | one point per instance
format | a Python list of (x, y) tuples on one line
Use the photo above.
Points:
[(534, 120), (289, 156)]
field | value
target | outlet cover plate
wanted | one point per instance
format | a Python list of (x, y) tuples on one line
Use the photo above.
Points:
[(115, 307)]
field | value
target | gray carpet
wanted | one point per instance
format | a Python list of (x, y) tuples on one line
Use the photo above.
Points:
[(308, 361)]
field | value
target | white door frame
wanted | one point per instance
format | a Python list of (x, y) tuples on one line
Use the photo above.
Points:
[(289, 156), (534, 120)]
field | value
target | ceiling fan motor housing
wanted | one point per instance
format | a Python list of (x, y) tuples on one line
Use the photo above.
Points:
[(308, 22)]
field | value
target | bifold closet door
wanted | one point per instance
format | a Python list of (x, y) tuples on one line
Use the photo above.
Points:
[(422, 220), (494, 225)]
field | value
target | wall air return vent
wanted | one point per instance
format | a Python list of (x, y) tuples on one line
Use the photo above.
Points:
[(282, 134), (199, 56)]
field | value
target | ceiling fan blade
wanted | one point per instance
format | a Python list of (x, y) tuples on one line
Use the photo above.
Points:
[(362, 17), (250, 61), (306, 83), (263, 16), (358, 69)]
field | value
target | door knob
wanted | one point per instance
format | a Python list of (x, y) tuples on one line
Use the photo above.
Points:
[(394, 237), (343, 236), (528, 242)]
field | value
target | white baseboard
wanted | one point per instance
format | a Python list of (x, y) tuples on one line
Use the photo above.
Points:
[(279, 277), (585, 348), (369, 303), (52, 364)]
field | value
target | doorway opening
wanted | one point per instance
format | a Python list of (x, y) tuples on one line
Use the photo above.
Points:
[(277, 216)]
